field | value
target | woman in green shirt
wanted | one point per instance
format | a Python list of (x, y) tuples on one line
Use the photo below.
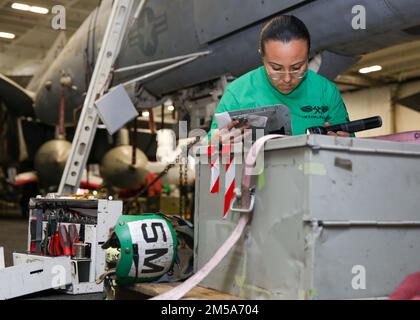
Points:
[(284, 79)]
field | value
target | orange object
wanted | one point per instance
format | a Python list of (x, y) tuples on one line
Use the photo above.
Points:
[(156, 188)]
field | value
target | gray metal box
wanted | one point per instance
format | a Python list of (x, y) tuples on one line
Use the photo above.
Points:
[(116, 109), (335, 218)]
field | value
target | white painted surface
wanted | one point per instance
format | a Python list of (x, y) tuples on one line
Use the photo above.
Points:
[(407, 119), (2, 258), (368, 103), (378, 101)]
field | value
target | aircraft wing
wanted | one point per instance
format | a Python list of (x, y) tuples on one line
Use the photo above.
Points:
[(19, 101)]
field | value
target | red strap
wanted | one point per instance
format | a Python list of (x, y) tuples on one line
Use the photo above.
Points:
[(33, 247), (64, 240), (74, 238), (51, 247), (56, 249)]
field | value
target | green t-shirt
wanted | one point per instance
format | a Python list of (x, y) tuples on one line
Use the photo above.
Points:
[(315, 101)]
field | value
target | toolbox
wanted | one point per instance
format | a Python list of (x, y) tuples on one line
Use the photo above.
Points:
[(64, 251), (334, 218)]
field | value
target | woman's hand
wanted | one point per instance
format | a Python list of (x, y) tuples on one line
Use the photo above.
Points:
[(229, 134), (338, 133)]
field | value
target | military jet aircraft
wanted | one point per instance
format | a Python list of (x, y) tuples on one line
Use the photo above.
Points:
[(183, 49)]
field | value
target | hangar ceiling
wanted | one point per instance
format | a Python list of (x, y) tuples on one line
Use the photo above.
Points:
[(399, 64), (34, 34), (20, 57)]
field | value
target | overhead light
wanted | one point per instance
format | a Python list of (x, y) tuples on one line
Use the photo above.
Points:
[(370, 69), (7, 35), (39, 10), (171, 108), (26, 7), (145, 114), (21, 6)]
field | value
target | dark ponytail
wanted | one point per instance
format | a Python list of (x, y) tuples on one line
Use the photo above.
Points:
[(284, 28)]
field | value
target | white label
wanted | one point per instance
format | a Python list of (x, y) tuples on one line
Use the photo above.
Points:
[(155, 245)]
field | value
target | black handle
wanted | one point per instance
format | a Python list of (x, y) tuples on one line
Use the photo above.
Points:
[(350, 127)]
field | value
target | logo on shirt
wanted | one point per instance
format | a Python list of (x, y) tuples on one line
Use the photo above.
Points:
[(315, 110)]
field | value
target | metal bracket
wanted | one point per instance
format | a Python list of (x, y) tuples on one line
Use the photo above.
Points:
[(238, 196)]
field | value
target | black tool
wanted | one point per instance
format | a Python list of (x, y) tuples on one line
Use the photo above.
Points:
[(82, 233), (52, 226), (51, 230), (350, 127), (36, 231), (136, 258), (88, 249)]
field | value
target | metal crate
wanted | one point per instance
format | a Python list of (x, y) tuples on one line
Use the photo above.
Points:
[(335, 218)]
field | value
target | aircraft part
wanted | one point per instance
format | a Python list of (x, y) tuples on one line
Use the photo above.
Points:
[(19, 101), (117, 168), (50, 160)]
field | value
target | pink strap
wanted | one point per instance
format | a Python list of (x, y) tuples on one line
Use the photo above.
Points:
[(408, 137), (179, 291)]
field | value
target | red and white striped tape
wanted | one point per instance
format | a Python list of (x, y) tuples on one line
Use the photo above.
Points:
[(229, 157), (214, 168)]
